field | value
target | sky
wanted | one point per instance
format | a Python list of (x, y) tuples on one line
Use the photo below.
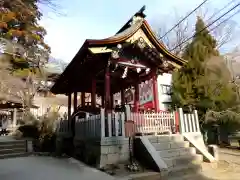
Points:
[(98, 19)]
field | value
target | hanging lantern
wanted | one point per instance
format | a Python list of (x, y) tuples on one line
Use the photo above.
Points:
[(165, 64), (115, 55), (125, 72), (119, 46), (139, 70), (147, 70)]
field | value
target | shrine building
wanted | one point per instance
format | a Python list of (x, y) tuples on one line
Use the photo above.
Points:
[(131, 59)]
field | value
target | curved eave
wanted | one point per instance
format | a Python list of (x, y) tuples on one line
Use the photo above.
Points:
[(159, 45), (118, 39), (67, 70)]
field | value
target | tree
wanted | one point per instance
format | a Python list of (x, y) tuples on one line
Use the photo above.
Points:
[(20, 25), (22, 45), (178, 37), (196, 84)]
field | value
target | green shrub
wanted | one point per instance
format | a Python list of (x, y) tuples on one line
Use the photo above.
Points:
[(42, 131)]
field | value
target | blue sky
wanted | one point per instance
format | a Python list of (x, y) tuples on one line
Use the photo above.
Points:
[(96, 19)]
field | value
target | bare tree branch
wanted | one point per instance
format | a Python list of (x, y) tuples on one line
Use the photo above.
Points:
[(224, 33)]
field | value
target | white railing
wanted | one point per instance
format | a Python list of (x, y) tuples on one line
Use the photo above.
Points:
[(153, 123), (113, 124), (99, 126), (188, 121)]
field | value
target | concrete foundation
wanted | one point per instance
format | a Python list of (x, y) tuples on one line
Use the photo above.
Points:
[(102, 152)]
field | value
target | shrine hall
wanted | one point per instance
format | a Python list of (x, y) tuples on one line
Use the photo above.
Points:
[(113, 65)]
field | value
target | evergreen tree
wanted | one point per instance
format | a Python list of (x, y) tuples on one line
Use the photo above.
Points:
[(195, 85)]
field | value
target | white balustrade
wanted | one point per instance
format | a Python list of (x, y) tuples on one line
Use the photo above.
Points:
[(156, 123), (189, 123)]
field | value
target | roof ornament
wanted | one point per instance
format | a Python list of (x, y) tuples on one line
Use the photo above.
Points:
[(138, 16), (136, 19)]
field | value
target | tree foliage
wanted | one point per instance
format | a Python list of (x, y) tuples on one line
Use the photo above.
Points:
[(19, 24), (198, 85), (22, 47)]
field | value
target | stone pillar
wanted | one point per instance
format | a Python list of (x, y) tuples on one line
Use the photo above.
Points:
[(14, 122)]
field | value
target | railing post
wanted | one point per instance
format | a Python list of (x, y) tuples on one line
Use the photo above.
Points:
[(123, 124), (116, 124), (190, 122), (176, 121), (181, 118), (102, 123), (109, 120), (196, 121), (128, 112), (186, 122)]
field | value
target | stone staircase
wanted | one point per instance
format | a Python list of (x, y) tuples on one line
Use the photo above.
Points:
[(179, 157), (13, 148)]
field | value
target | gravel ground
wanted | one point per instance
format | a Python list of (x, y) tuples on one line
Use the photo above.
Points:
[(227, 168)]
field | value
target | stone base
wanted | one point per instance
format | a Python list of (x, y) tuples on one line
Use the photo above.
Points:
[(102, 152)]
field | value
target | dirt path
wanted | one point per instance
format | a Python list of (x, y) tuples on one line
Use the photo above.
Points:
[(228, 167)]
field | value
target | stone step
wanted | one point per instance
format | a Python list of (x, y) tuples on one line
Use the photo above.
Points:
[(183, 160), (170, 145), (177, 152), (14, 155), (11, 143), (166, 138), (13, 150), (184, 171), (11, 146)]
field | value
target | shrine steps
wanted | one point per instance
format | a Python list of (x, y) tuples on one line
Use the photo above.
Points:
[(13, 148), (169, 154)]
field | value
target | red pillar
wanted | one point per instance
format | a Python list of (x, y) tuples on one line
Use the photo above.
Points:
[(107, 90), (155, 91), (177, 121), (103, 100), (122, 97), (112, 101), (75, 101), (83, 99), (136, 98), (93, 95), (69, 108)]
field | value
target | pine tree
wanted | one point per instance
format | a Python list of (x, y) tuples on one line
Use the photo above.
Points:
[(194, 84)]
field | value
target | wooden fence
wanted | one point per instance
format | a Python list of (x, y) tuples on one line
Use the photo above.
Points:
[(102, 125)]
